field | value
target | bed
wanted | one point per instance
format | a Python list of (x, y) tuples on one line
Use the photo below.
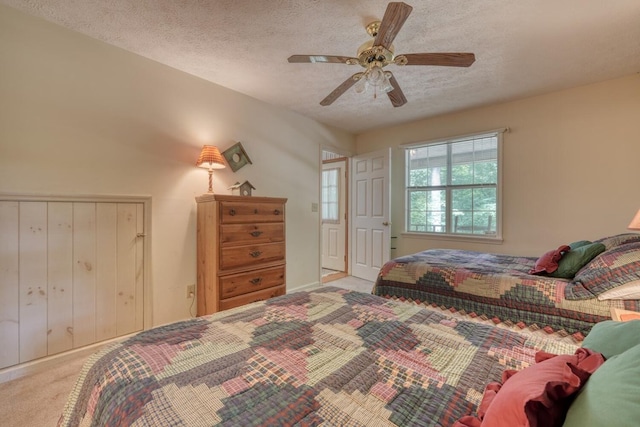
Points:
[(500, 287), (324, 357)]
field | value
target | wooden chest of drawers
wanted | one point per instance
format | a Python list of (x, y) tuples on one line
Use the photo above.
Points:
[(241, 250)]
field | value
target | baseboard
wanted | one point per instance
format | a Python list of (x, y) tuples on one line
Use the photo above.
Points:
[(45, 363), (307, 287)]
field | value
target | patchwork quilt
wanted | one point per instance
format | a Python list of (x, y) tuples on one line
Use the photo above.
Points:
[(329, 357), (496, 287)]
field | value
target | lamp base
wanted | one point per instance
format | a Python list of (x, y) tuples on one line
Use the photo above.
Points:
[(211, 180)]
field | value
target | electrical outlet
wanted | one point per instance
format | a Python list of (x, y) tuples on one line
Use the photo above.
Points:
[(191, 291)]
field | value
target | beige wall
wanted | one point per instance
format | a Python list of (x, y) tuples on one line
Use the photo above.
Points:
[(571, 165), (79, 117)]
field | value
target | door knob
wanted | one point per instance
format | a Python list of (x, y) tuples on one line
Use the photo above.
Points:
[(386, 223)]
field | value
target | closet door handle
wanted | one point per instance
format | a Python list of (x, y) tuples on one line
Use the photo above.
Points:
[(255, 254), (256, 233)]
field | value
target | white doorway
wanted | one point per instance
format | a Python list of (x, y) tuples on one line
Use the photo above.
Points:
[(371, 234), (334, 214)]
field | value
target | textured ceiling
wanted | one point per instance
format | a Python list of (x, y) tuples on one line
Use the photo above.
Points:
[(522, 48)]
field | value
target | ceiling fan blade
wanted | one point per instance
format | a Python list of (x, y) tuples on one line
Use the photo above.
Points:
[(396, 96), (446, 59), (333, 59), (392, 21), (340, 90)]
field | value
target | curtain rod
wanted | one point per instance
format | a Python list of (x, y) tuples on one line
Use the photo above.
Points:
[(455, 138)]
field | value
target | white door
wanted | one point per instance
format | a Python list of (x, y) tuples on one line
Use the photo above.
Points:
[(371, 234), (334, 215)]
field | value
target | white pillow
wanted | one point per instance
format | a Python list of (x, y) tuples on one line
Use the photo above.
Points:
[(630, 290)]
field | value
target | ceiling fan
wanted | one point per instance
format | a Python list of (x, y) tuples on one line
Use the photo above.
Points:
[(377, 53)]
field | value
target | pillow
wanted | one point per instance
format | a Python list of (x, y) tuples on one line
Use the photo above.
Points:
[(629, 290), (619, 239), (579, 243), (548, 262), (577, 258), (610, 397), (537, 395), (612, 338), (610, 269)]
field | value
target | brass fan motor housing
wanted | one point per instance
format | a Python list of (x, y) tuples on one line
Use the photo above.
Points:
[(369, 54)]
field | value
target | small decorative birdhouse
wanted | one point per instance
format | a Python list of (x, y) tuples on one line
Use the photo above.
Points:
[(243, 189)]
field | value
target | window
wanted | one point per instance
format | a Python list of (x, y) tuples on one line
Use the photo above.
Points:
[(452, 186), (330, 195)]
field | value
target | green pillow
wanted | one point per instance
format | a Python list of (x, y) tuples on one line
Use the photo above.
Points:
[(572, 261), (579, 243), (610, 396), (611, 338)]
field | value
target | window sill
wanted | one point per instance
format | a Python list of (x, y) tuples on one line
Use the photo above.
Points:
[(493, 240)]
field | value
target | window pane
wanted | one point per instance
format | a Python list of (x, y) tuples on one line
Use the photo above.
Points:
[(428, 166), (462, 163), (330, 195), (486, 160), (427, 211), (474, 210)]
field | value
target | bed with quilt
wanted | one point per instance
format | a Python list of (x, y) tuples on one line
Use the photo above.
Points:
[(329, 357), (566, 290)]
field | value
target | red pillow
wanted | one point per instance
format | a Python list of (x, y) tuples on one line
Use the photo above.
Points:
[(548, 262), (535, 396)]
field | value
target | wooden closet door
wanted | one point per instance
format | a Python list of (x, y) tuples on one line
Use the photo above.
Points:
[(71, 274)]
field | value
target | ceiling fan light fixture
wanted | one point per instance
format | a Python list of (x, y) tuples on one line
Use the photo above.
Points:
[(386, 84), (376, 76), (361, 85)]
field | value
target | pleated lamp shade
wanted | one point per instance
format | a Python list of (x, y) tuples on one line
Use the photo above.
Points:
[(635, 222), (211, 159)]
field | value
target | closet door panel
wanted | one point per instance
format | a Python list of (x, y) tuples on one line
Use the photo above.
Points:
[(84, 274), (33, 280), (60, 277), (9, 284), (126, 277), (106, 276)]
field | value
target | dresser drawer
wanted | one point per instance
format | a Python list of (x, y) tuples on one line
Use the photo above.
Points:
[(246, 234), (247, 212), (250, 255), (262, 295), (238, 284)]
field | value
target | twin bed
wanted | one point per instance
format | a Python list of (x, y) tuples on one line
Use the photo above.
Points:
[(500, 287), (337, 357)]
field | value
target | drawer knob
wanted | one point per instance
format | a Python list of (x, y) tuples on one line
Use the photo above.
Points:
[(256, 233), (256, 281), (276, 211), (255, 254), (232, 212)]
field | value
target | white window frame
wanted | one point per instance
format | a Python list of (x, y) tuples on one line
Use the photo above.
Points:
[(494, 238)]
